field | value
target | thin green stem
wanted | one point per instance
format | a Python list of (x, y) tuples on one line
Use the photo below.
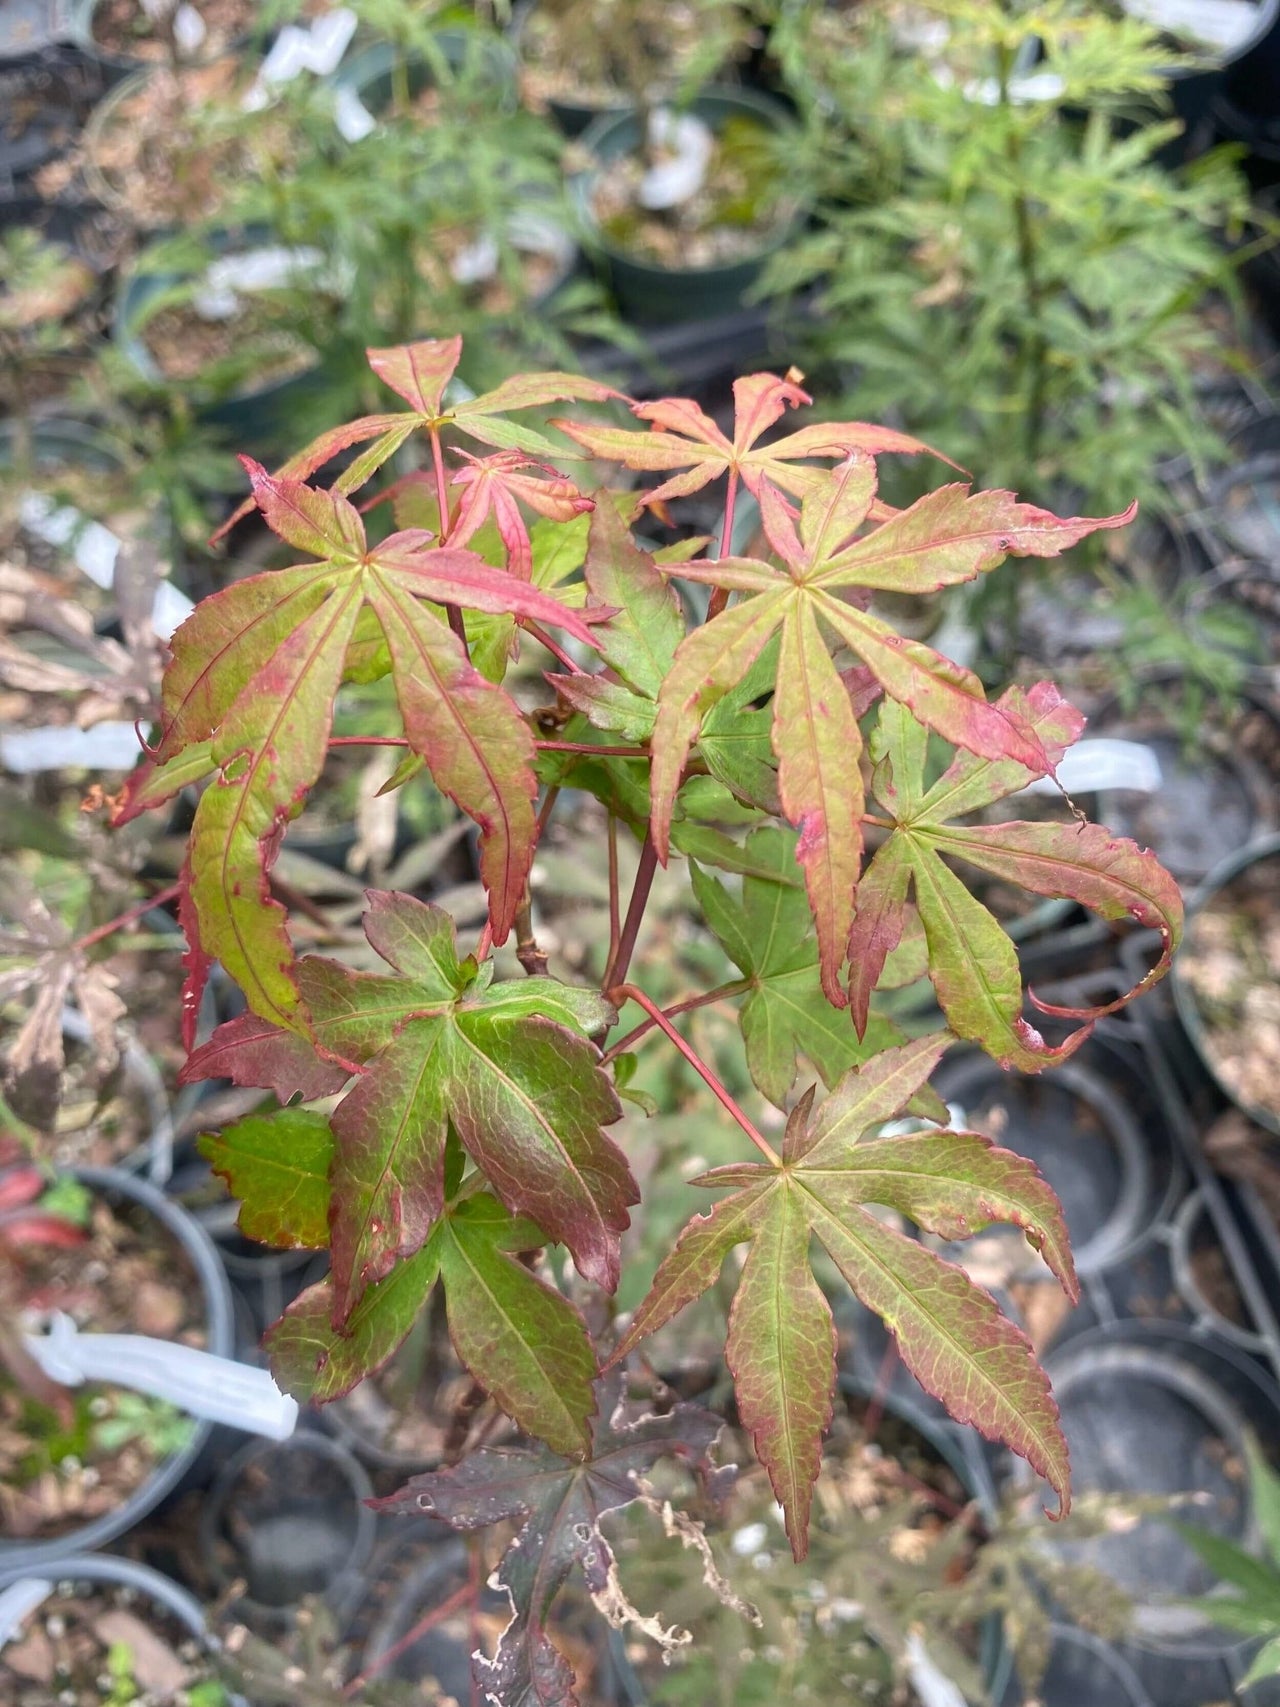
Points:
[(722, 992), (619, 993)]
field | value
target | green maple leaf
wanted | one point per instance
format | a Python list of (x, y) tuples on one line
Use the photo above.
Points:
[(523, 1341), (278, 1166), (971, 960), (434, 1045), (767, 935), (251, 689), (950, 1334)]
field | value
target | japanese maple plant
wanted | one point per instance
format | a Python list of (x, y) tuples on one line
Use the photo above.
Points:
[(473, 1123)]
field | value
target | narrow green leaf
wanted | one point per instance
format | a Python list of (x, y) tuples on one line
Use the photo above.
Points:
[(970, 783), (523, 1341), (1265, 1663), (818, 743), (878, 923), (708, 663), (278, 1166), (782, 1351), (952, 1338)]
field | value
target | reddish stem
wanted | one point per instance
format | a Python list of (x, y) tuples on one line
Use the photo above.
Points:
[(128, 917), (442, 485), (485, 945), (454, 1603), (544, 812), (720, 595), (721, 993), (615, 910), (367, 741), (620, 993), (588, 747), (620, 960), (553, 646)]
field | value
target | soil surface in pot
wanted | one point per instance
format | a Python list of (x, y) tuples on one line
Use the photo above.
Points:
[(1230, 961), (123, 29), (462, 258), (130, 1276), (105, 1645), (569, 55), (250, 348), (729, 218)]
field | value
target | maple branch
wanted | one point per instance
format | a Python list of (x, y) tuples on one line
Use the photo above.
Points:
[(720, 595), (553, 646), (621, 992), (127, 917), (721, 993), (545, 811), (442, 485), (589, 747), (528, 953), (620, 960), (615, 911)]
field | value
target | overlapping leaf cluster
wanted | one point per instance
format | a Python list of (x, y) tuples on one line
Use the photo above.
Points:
[(466, 1116)]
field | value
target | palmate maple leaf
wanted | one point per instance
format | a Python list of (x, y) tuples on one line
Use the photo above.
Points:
[(420, 373), (433, 1044), (249, 695), (560, 1503), (949, 536), (971, 960), (950, 1333), (496, 486)]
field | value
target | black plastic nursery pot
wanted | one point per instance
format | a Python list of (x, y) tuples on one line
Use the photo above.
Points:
[(652, 295), (1226, 980), (1204, 1279), (148, 1596), (1220, 779), (1151, 1409), (1106, 1162), (288, 1518), (43, 101), (1222, 63), (218, 1339), (1085, 1671)]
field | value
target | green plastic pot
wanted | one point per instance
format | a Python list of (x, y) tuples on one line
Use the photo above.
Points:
[(371, 73), (651, 295), (255, 418)]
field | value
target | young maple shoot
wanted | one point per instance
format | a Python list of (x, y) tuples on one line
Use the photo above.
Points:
[(471, 1126)]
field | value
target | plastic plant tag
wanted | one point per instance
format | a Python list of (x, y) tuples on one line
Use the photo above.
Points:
[(1104, 763), (932, 1686), (189, 30), (105, 747), (268, 268), (214, 1388), (18, 1602), (94, 550), (352, 118), (690, 144), (1220, 24)]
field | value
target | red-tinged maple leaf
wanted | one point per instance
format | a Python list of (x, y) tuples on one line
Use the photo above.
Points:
[(496, 486), (249, 695), (950, 1333), (949, 536), (559, 1503), (435, 1044), (420, 373), (682, 437), (971, 960)]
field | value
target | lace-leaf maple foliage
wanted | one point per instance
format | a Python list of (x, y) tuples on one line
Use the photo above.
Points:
[(467, 1126)]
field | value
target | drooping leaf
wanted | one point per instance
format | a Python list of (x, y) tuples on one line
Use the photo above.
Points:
[(559, 1502), (971, 960), (278, 1166), (950, 1333)]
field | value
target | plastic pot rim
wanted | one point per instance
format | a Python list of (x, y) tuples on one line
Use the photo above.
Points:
[(81, 32), (34, 1554), (608, 123), (1192, 1208), (1184, 999), (320, 1446)]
